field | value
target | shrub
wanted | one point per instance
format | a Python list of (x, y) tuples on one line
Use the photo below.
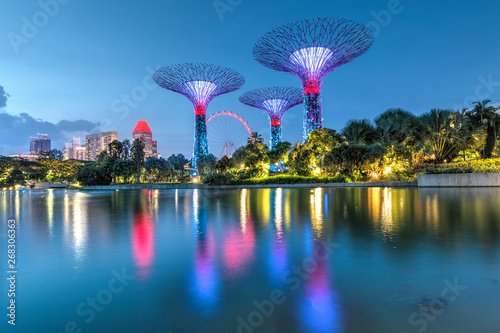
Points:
[(241, 178), (90, 175)]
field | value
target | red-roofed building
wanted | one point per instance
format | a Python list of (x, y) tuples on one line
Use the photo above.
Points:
[(143, 132)]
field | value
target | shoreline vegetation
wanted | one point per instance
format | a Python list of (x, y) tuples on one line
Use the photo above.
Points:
[(396, 147)]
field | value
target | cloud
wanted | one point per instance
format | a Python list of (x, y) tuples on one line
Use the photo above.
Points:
[(15, 131), (3, 97)]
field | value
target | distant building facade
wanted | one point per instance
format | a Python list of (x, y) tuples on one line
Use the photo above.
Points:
[(97, 143), (74, 150), (143, 132), (40, 145), (28, 157)]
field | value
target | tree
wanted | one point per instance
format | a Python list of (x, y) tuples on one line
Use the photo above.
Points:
[(206, 164), (55, 154), (224, 163), (90, 175), (486, 115), (299, 159), (253, 156), (115, 151), (158, 167), (178, 161), (353, 159), (440, 129), (16, 176), (138, 156), (125, 169), (279, 153), (257, 138), (320, 143), (126, 147), (398, 126), (360, 131), (467, 134)]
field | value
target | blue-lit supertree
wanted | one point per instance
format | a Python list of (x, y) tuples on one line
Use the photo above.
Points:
[(310, 49), (274, 102), (200, 83)]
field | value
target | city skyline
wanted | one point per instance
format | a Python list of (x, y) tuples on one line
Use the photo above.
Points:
[(417, 63)]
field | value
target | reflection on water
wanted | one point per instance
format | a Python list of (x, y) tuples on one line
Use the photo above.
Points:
[(201, 258)]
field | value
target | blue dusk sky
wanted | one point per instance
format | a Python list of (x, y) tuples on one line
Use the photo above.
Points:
[(68, 72)]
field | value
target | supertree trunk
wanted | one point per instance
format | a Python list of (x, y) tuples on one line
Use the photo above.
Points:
[(200, 138), (276, 134), (313, 118)]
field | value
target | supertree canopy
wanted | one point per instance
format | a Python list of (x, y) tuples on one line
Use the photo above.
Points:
[(310, 49), (274, 102), (200, 83)]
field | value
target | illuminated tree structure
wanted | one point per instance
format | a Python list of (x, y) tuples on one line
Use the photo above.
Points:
[(200, 83), (274, 102), (310, 49)]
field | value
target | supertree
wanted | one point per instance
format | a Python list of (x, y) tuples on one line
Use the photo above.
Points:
[(310, 49), (274, 101), (200, 83)]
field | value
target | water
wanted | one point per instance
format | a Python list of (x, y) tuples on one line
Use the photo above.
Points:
[(254, 260)]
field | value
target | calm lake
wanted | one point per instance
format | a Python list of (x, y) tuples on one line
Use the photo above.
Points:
[(254, 260)]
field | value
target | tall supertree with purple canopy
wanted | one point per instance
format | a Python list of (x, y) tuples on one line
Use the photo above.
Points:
[(274, 101), (200, 83), (310, 49)]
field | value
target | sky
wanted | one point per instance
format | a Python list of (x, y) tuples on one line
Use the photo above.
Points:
[(70, 68)]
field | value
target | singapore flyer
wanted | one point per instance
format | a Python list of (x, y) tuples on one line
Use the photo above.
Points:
[(226, 132)]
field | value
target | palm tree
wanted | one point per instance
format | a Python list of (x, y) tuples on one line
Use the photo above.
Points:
[(257, 138), (398, 126), (440, 132), (488, 117), (467, 135), (360, 131)]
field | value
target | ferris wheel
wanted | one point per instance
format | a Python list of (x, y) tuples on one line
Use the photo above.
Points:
[(226, 132)]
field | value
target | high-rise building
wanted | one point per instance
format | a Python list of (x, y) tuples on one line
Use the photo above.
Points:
[(74, 150), (143, 132), (40, 145), (97, 143)]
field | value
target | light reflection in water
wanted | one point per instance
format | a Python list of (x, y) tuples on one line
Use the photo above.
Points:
[(206, 282), (264, 206), (239, 243), (18, 206), (176, 202), (66, 218), (50, 210), (243, 210), (205, 279), (196, 212), (317, 222), (143, 242), (80, 220), (319, 311), (374, 194), (278, 262), (278, 213), (387, 221)]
